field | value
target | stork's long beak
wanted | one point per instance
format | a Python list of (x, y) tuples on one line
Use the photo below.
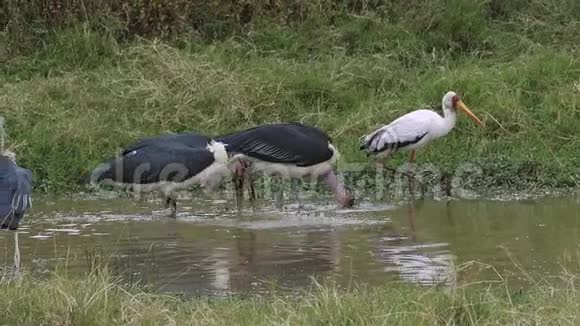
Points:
[(467, 111)]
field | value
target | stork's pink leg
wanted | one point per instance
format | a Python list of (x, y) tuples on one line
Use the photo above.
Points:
[(240, 168), (251, 186), (344, 197), (411, 177), (412, 157), (239, 171)]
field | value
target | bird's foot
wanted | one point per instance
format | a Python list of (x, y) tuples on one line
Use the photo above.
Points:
[(252, 189), (300, 207), (174, 209), (171, 203), (279, 200), (239, 190)]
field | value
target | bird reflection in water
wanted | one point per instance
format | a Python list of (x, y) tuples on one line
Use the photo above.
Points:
[(423, 262), (288, 262)]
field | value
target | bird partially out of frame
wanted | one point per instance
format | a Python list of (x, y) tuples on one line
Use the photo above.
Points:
[(15, 191), (15, 187)]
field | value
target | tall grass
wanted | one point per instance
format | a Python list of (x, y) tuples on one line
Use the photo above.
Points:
[(463, 25), (81, 78), (99, 298)]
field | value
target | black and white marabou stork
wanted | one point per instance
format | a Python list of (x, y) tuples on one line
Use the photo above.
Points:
[(288, 150), (15, 191), (165, 164)]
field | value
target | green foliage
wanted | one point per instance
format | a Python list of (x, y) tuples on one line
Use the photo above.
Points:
[(99, 298), (81, 78)]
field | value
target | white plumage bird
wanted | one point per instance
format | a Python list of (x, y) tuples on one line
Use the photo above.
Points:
[(415, 129)]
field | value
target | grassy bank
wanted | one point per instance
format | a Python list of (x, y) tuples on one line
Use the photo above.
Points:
[(100, 299), (79, 80)]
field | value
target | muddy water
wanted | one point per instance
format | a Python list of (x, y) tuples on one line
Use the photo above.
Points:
[(213, 248)]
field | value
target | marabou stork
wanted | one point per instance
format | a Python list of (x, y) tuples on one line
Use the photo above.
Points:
[(165, 164), (287, 150)]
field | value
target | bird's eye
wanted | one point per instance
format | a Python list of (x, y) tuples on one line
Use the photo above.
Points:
[(454, 100)]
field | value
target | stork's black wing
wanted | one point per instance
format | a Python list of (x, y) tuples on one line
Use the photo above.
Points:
[(15, 193), (23, 191), (152, 163), (186, 138), (281, 143)]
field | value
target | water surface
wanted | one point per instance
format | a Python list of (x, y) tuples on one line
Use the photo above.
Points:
[(211, 247)]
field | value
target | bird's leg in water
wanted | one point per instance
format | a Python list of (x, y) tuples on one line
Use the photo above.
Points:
[(173, 206), (251, 187), (171, 202), (344, 197), (279, 193), (411, 217), (238, 186), (295, 189), (411, 176), (16, 267), (240, 171)]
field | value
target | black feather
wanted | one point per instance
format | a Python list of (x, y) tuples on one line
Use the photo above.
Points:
[(155, 162), (396, 146), (290, 143), (187, 138)]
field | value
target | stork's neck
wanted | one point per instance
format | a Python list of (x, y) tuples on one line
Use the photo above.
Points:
[(449, 119)]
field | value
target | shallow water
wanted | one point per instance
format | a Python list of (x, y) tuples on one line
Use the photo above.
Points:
[(213, 248)]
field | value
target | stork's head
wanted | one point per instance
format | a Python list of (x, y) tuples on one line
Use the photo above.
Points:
[(452, 102)]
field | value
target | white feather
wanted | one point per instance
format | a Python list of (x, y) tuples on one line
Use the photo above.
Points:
[(219, 151), (407, 129)]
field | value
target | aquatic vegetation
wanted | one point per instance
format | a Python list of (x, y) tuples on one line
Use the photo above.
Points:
[(99, 298)]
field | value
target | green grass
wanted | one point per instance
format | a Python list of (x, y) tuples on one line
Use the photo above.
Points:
[(99, 298), (75, 89)]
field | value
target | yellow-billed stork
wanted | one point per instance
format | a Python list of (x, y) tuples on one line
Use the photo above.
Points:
[(415, 129)]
